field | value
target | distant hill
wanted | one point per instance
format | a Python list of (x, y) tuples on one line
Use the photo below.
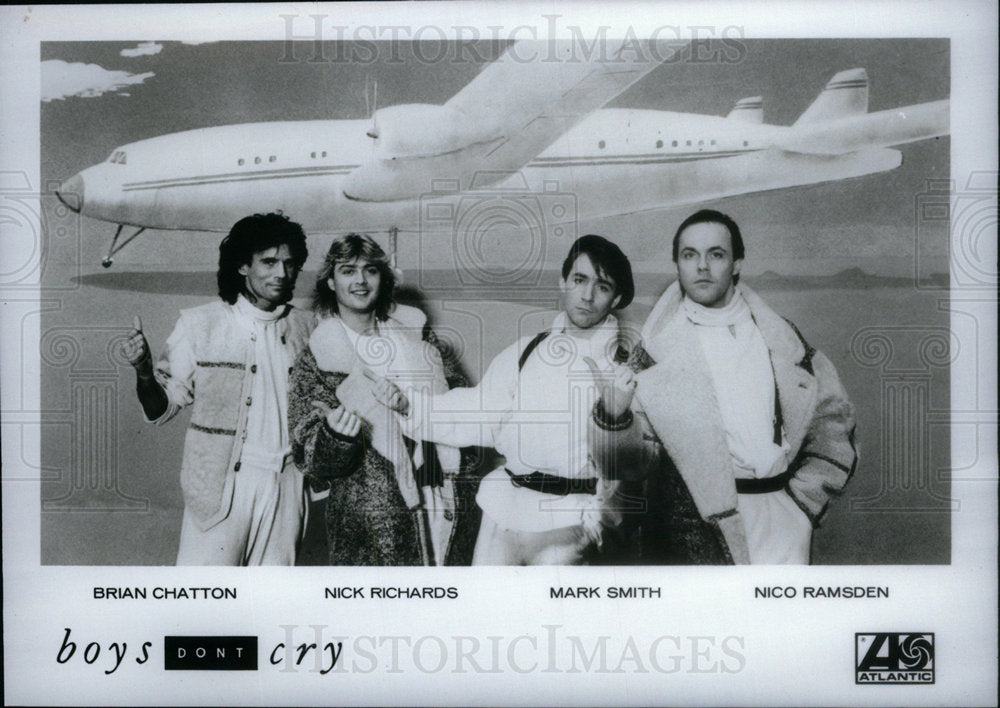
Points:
[(851, 278), (203, 283)]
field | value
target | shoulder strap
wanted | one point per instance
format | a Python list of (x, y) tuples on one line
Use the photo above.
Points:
[(536, 340)]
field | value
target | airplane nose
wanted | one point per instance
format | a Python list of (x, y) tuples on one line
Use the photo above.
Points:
[(70, 193)]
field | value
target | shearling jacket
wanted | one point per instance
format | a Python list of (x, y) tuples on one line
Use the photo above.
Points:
[(692, 512), (218, 391), (376, 512)]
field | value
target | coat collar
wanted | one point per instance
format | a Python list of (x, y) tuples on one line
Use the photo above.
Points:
[(781, 337), (334, 350), (679, 400)]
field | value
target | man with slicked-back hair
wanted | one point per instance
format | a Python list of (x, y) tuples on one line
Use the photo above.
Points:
[(749, 429)]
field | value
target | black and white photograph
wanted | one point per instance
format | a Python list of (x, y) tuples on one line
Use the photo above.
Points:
[(824, 202), (436, 354)]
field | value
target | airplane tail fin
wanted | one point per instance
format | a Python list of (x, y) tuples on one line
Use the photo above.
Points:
[(846, 94), (896, 126), (748, 110)]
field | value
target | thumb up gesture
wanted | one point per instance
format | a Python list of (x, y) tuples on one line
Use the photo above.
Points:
[(137, 348), (615, 386)]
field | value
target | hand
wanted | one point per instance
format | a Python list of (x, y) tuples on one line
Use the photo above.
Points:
[(387, 393), (137, 349), (616, 387), (339, 419)]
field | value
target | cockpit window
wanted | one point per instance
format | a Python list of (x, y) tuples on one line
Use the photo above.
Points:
[(118, 157)]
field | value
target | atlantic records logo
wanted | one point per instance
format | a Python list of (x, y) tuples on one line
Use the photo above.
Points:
[(894, 657)]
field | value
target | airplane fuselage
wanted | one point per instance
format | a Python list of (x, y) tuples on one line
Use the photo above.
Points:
[(614, 161)]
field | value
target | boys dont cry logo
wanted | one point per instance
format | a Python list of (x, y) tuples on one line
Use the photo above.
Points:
[(894, 657)]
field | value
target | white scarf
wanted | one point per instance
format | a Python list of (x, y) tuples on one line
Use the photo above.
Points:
[(733, 313), (267, 427), (743, 380)]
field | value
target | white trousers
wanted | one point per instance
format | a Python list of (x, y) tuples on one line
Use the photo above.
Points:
[(264, 526), (495, 545), (778, 531)]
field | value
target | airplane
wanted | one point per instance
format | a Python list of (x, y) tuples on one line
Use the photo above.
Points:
[(526, 144)]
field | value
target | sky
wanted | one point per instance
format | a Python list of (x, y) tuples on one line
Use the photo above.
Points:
[(99, 95)]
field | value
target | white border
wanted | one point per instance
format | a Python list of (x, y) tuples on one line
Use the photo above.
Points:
[(809, 666)]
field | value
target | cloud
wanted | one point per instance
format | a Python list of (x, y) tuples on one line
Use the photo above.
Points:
[(61, 79), (144, 49)]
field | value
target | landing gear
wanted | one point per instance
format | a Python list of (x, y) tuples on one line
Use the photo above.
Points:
[(108, 260), (393, 237)]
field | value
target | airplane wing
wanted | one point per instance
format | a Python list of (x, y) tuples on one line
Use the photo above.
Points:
[(515, 108)]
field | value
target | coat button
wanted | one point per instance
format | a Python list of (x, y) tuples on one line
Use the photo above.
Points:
[(253, 336), (249, 399), (236, 467), (253, 369), (449, 515)]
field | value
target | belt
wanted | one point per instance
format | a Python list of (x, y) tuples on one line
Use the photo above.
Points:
[(765, 485), (551, 484)]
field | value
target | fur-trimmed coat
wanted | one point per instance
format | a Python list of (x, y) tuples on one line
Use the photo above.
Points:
[(692, 511), (370, 515)]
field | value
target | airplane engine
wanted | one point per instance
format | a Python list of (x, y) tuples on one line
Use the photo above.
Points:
[(414, 143), (424, 130)]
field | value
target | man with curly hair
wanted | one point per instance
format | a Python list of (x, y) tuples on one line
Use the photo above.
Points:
[(229, 360)]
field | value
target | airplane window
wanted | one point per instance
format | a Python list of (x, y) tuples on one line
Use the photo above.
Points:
[(659, 143), (272, 158), (312, 154), (323, 154), (240, 162), (256, 161), (700, 143), (673, 143), (688, 143), (601, 145), (713, 142), (745, 143)]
